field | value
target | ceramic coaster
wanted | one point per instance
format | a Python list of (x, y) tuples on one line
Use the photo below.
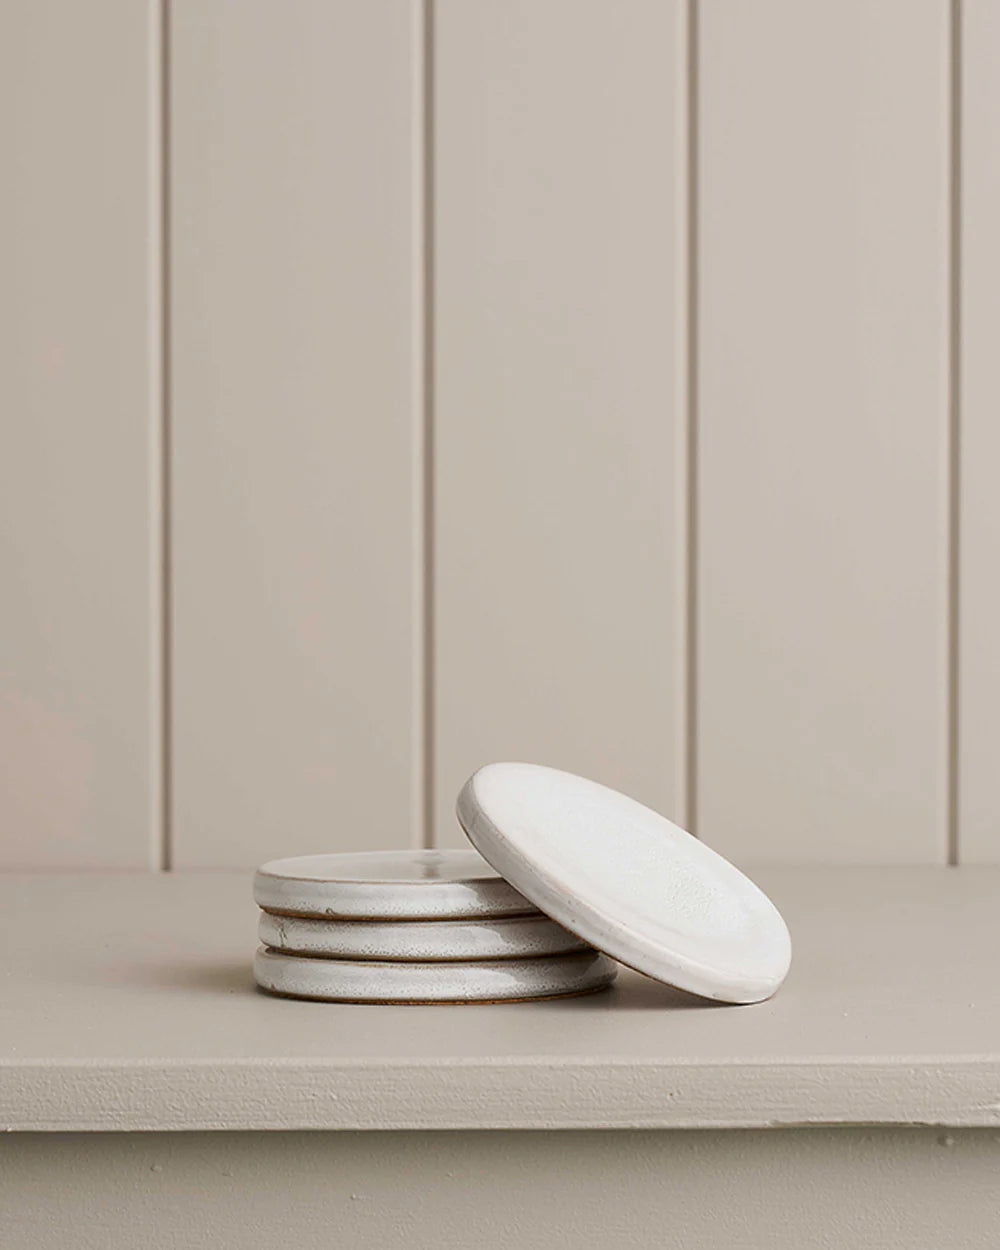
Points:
[(388, 885), (627, 880), (514, 937), (372, 981)]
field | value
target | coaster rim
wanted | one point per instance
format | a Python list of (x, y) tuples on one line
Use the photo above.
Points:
[(535, 936), (463, 885), (478, 981)]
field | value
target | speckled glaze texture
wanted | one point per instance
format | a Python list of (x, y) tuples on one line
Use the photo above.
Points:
[(627, 880), (505, 980), (514, 937), (388, 885)]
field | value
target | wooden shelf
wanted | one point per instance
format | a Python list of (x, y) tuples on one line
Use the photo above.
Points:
[(126, 1002)]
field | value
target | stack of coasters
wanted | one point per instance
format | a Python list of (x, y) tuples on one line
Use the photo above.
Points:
[(414, 926), (567, 876)]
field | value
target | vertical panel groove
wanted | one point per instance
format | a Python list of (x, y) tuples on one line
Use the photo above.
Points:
[(954, 421), (976, 431), (690, 459), (163, 352), (424, 113)]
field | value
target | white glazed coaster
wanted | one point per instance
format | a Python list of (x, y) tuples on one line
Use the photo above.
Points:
[(362, 981), (627, 880), (513, 937), (387, 885)]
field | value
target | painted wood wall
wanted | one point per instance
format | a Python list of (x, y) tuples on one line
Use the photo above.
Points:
[(389, 386)]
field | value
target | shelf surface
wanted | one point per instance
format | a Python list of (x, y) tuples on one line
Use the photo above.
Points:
[(126, 1002)]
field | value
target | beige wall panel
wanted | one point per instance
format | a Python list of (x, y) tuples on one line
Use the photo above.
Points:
[(295, 426), (559, 408), (823, 429), (804, 1189), (79, 434), (979, 473)]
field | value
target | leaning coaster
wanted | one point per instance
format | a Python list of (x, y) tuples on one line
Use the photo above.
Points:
[(627, 880), (512, 937), (388, 885), (361, 981)]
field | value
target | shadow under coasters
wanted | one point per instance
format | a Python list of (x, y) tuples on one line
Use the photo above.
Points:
[(509, 937), (377, 981), (388, 885), (627, 880)]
